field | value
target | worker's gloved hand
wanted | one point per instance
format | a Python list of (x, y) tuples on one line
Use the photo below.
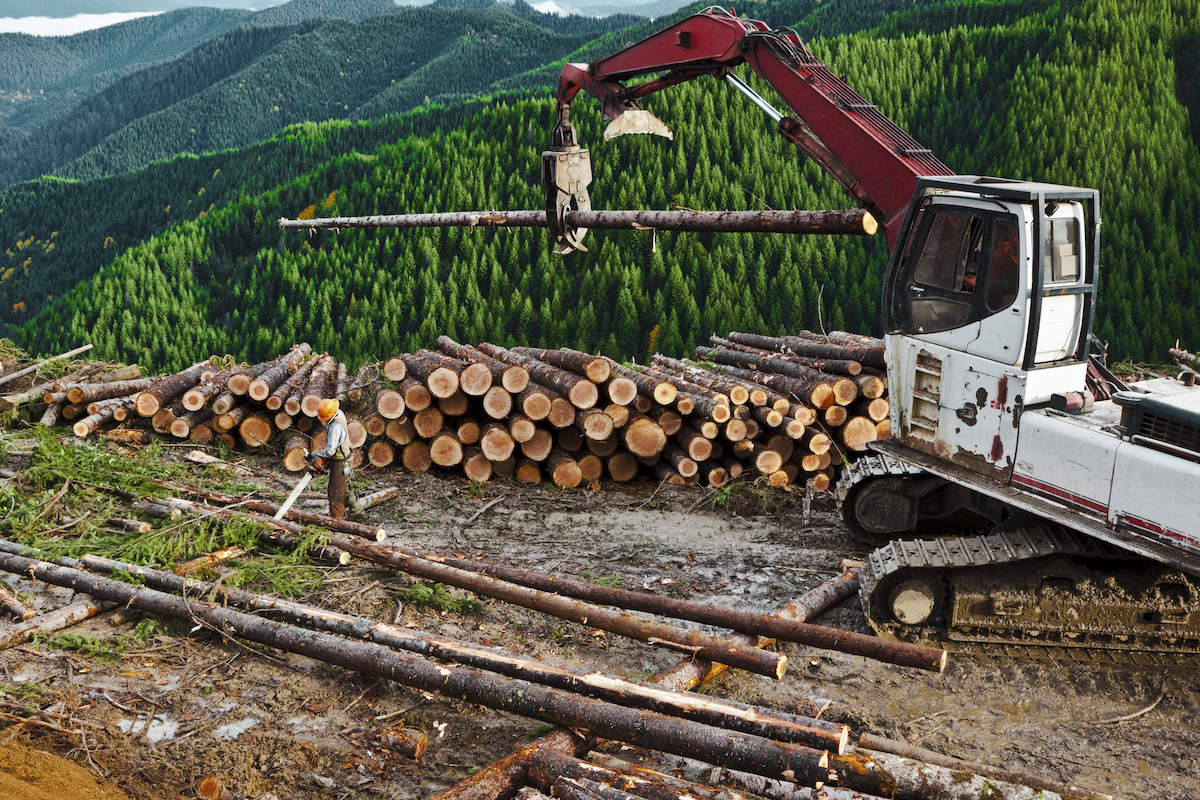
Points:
[(316, 464)]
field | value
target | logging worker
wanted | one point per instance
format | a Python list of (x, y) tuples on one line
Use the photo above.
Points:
[(337, 450)]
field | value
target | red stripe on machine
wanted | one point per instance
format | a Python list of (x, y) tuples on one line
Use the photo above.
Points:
[(1058, 493), (1153, 527)]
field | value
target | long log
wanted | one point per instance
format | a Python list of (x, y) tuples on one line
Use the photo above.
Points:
[(374, 533), (292, 385), (812, 391), (754, 343), (851, 222), (711, 711), (505, 777), (872, 742), (35, 367), (319, 385), (772, 626), (151, 399), (728, 748), (89, 392), (239, 382), (440, 380), (595, 368), (661, 392), (512, 377), (269, 379), (872, 356), (474, 378), (903, 778), (579, 390), (89, 424), (52, 621), (843, 389)]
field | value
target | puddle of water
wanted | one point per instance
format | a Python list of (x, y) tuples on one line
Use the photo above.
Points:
[(235, 729), (160, 727)]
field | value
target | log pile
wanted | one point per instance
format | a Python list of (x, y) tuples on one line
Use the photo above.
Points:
[(785, 410)]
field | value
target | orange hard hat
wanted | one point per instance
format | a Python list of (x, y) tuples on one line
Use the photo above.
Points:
[(326, 409)]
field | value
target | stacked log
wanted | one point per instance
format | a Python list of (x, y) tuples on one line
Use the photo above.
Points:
[(786, 410)]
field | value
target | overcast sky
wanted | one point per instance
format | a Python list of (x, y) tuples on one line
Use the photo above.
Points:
[(66, 26)]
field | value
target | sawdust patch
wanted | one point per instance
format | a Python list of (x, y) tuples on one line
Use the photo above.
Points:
[(28, 774)]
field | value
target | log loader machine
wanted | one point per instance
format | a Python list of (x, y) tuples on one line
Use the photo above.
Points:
[(1060, 498)]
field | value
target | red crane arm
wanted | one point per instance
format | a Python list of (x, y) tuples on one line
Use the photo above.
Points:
[(867, 153)]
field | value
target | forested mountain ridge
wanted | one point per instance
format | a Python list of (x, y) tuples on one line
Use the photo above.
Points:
[(249, 82), (1092, 95)]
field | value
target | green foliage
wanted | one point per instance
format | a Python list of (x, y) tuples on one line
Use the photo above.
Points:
[(87, 646), (615, 581), (439, 598), (1081, 93)]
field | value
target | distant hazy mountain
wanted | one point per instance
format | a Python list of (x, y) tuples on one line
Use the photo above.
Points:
[(69, 8)]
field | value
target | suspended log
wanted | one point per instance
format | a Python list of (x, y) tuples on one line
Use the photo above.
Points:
[(416, 394), (416, 456), (564, 470), (270, 379), (852, 222), (288, 394), (440, 380), (390, 404), (445, 450), (456, 404), (643, 437), (476, 465), (538, 446), (512, 377), (318, 388)]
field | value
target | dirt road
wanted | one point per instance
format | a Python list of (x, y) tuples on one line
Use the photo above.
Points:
[(273, 722)]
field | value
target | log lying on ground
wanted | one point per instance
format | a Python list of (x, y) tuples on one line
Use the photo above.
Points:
[(35, 367), (11, 605), (505, 777), (52, 621), (903, 778), (727, 748), (768, 625), (717, 712)]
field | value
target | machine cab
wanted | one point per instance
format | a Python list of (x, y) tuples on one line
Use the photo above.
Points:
[(989, 297)]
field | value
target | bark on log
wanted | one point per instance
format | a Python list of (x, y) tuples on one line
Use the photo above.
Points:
[(579, 390), (506, 468), (269, 379), (668, 475), (474, 379), (684, 464), (661, 392), (670, 421), (902, 778), (713, 474), (869, 355), (293, 385), (91, 423), (603, 448), (595, 368), (694, 443), (440, 380), (319, 386), (89, 392), (416, 394), (232, 418), (569, 439), (183, 425), (512, 377), (468, 431), (150, 400), (11, 605), (503, 778), (812, 388), (528, 471), (52, 621), (564, 470), (35, 367), (878, 743), (373, 533)]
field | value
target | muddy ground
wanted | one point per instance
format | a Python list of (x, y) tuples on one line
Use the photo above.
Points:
[(266, 722)]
